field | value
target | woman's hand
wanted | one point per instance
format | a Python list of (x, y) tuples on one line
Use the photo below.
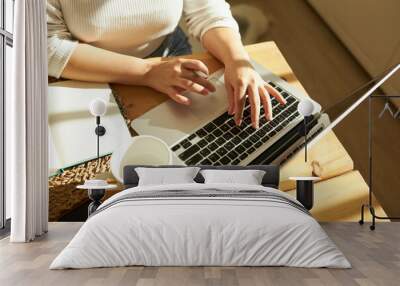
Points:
[(241, 81), (174, 77)]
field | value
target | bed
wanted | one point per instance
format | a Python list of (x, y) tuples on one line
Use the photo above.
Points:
[(201, 224)]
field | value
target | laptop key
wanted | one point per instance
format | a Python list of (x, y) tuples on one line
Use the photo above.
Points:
[(210, 127), (206, 162), (263, 120), (243, 134), (186, 144), (292, 108), (233, 155), (261, 132), (285, 94), (201, 133), (205, 152), (280, 118), (221, 119), (213, 146), (189, 152), (217, 132), (231, 122), (194, 160), (285, 123), (227, 136), (254, 138), (225, 160), (220, 141), (202, 143), (258, 144), (247, 144), (225, 127), (243, 156), (229, 145), (214, 157), (176, 147), (240, 149), (192, 136), (235, 130), (280, 108), (237, 161), (265, 138), (222, 151), (209, 138), (236, 140)]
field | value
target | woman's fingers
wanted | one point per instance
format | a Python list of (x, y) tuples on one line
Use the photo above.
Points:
[(272, 91), (254, 99), (194, 65), (191, 86), (266, 102), (190, 75), (203, 82), (231, 98), (176, 96), (240, 100)]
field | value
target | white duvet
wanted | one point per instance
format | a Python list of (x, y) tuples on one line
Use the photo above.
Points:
[(200, 231)]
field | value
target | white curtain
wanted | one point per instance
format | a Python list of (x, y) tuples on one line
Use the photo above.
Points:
[(26, 124)]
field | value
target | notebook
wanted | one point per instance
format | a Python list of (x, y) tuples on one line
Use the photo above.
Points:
[(72, 139)]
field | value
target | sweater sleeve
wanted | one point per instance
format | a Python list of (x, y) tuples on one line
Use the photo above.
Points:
[(60, 43), (203, 15)]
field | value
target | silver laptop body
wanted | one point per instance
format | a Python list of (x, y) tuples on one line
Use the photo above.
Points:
[(203, 133)]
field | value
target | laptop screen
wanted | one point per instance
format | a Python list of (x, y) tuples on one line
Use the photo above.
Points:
[(337, 111)]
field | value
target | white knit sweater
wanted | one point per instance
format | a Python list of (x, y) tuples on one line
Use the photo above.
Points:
[(131, 27)]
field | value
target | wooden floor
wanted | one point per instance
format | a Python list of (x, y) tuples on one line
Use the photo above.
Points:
[(375, 257)]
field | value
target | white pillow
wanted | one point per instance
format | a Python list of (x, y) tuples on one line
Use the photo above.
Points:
[(165, 176), (247, 177)]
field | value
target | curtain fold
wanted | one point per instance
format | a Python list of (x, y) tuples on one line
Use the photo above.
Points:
[(26, 132)]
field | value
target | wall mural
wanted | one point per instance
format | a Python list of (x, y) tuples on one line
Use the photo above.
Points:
[(97, 128)]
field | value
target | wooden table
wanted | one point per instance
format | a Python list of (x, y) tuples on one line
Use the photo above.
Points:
[(341, 191)]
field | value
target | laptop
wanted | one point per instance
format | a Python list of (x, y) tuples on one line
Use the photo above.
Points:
[(203, 133)]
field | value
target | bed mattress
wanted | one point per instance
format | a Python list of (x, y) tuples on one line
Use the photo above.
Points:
[(201, 225)]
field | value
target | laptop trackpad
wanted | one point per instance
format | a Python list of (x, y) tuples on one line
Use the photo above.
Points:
[(171, 121)]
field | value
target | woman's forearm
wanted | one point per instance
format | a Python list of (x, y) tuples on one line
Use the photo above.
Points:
[(225, 44), (88, 63)]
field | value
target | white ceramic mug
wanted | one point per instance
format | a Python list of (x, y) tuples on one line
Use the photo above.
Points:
[(141, 150)]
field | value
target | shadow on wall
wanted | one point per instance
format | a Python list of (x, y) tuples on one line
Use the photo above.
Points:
[(253, 24)]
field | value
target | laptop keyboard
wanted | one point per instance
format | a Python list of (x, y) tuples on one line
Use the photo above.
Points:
[(221, 142)]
